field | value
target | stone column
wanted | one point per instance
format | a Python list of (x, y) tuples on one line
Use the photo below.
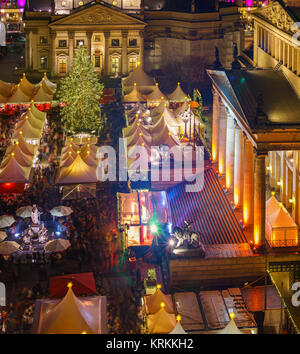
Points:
[(106, 53), (71, 47), (283, 177), (124, 53), (248, 194), (260, 199), (222, 138), (142, 49), (89, 35), (33, 49), (296, 189), (215, 126), (230, 142), (272, 169), (238, 167), (53, 56)]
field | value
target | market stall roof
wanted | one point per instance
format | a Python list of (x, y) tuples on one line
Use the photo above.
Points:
[(27, 87), (139, 77), (71, 315), (14, 172), (156, 95), (161, 322), (272, 205), (178, 95), (25, 129), (281, 218), (78, 172), (18, 96), (153, 302), (178, 329), (231, 328), (41, 95), (6, 88), (19, 155), (28, 149), (134, 96)]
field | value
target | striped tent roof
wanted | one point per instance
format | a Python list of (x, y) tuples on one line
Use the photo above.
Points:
[(209, 210)]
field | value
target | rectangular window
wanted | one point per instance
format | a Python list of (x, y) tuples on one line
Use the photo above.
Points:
[(79, 42), (115, 65), (62, 43), (115, 42), (133, 42), (62, 63), (98, 59), (132, 64), (43, 62), (43, 40)]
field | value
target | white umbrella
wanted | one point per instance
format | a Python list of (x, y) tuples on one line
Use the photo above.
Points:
[(3, 236), (25, 211), (61, 211), (6, 221), (8, 247), (57, 245)]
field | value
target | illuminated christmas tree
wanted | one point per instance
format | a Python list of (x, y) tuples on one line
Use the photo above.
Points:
[(79, 92)]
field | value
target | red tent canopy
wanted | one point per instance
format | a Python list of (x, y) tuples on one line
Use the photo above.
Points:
[(83, 284)]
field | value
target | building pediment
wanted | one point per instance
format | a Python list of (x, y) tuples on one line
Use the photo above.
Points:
[(98, 14), (276, 14)]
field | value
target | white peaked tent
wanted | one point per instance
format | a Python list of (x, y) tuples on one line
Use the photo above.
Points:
[(18, 154), (158, 110), (161, 322), (6, 88), (68, 160), (178, 329), (26, 148), (272, 205), (139, 137), (281, 229), (231, 328), (156, 95), (145, 83), (71, 315), (14, 172), (178, 95), (133, 96), (78, 172), (18, 96), (42, 95), (27, 87), (153, 302)]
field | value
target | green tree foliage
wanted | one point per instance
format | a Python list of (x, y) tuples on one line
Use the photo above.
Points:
[(81, 91)]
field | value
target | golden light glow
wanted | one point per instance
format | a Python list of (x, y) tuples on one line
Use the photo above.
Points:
[(228, 178), (273, 193), (256, 235), (245, 213), (69, 285), (232, 315), (158, 286), (162, 305), (83, 332), (178, 318)]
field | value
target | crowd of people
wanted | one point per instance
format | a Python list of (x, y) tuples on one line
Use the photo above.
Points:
[(96, 246)]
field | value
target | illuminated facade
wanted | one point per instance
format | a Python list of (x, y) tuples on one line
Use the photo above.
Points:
[(121, 33), (11, 15)]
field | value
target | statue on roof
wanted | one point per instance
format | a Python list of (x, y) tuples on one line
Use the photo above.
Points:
[(217, 64)]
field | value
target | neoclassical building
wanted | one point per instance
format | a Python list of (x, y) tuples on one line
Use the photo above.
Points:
[(114, 39), (256, 142), (120, 33)]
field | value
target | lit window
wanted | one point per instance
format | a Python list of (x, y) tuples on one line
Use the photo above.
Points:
[(115, 42), (43, 62), (43, 40), (115, 65), (132, 64), (62, 43), (62, 66), (132, 42)]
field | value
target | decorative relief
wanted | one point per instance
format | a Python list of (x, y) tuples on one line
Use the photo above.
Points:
[(277, 16), (97, 17)]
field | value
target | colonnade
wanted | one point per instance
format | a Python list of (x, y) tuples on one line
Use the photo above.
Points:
[(244, 168)]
